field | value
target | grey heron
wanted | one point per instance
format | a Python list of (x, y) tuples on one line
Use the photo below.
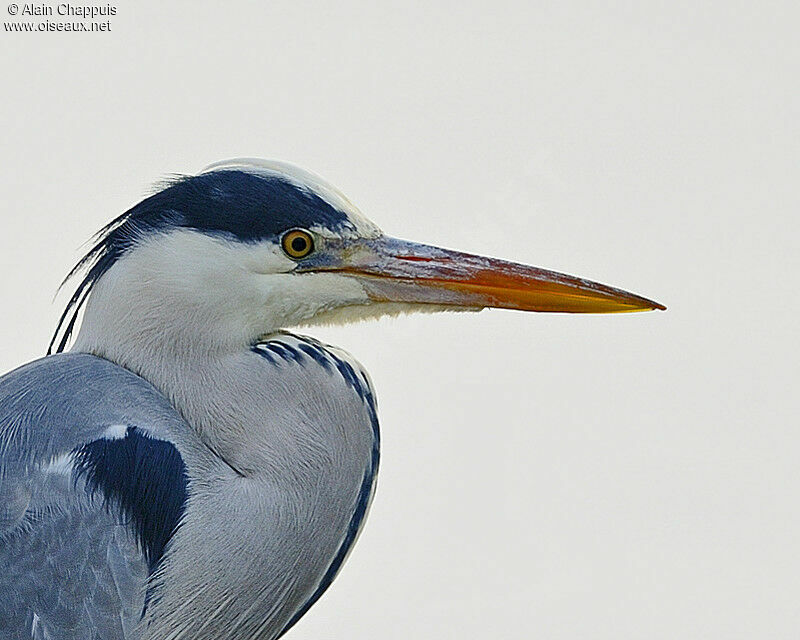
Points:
[(189, 469)]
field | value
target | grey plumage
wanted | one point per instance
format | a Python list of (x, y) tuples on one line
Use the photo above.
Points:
[(72, 568)]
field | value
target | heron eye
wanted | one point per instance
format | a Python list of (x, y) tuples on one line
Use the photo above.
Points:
[(297, 243)]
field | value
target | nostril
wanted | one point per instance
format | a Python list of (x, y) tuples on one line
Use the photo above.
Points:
[(415, 258)]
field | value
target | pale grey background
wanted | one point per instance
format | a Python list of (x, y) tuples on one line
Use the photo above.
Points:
[(629, 476)]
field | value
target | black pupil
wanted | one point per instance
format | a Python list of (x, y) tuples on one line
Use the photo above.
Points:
[(299, 244)]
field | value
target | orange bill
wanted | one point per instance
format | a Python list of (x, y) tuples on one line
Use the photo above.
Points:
[(393, 270)]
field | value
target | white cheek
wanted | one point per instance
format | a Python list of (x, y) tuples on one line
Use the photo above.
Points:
[(268, 260), (298, 297), (184, 288)]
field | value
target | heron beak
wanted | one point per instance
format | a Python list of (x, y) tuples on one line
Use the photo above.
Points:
[(393, 270)]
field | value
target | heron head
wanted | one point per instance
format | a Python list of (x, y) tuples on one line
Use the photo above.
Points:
[(249, 246)]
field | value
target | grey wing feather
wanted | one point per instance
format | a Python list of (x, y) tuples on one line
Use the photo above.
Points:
[(70, 567)]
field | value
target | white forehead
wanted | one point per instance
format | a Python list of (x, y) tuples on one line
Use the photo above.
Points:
[(308, 181)]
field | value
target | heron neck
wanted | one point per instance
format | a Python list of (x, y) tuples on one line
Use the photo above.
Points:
[(182, 342)]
